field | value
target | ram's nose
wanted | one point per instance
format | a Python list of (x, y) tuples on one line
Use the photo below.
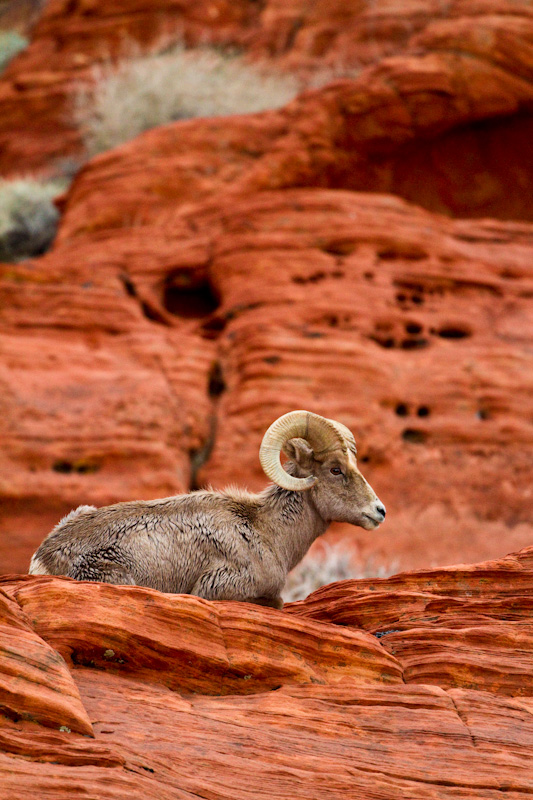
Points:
[(381, 510)]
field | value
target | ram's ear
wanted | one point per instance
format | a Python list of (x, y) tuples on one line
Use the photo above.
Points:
[(299, 451)]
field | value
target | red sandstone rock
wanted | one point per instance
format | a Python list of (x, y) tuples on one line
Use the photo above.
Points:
[(35, 684), (317, 708), (194, 294), (464, 626), (417, 125), (450, 61), (191, 645), (191, 336)]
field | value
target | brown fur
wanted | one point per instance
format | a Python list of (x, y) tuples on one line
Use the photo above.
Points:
[(229, 545)]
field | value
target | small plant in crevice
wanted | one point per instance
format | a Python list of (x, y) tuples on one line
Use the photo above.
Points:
[(28, 217), (335, 563)]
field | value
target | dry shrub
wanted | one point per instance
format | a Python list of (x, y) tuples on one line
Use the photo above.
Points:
[(28, 217), (336, 562), (144, 92)]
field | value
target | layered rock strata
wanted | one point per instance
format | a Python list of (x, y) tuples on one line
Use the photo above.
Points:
[(419, 686)]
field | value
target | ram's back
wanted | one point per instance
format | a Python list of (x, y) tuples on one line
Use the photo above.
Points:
[(173, 539)]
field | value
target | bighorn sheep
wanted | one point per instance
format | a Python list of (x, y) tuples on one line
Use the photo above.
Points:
[(230, 545)]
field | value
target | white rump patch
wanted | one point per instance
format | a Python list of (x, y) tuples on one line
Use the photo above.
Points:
[(37, 567)]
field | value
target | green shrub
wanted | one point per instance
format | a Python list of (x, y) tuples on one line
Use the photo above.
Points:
[(28, 217), (141, 93), (11, 43)]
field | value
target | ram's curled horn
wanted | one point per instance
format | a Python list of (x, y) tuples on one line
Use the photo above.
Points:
[(348, 435), (321, 434)]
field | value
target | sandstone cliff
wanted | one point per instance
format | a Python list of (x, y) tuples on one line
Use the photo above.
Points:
[(364, 252), (212, 274)]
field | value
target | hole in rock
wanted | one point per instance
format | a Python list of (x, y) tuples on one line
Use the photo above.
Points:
[(423, 411), (339, 248), (510, 274), (128, 284), (216, 385), (212, 327), (82, 467), (383, 341), (315, 277), (453, 332), (152, 314), (64, 467), (413, 327), (272, 359), (189, 302), (414, 436), (410, 252), (414, 344), (401, 410)]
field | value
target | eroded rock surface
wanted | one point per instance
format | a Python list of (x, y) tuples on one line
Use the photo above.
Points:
[(166, 350), (213, 274), (463, 626), (184, 695), (451, 89)]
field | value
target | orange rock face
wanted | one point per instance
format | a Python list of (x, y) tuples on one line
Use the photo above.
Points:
[(364, 253), (195, 334), (213, 274), (416, 686), (454, 94)]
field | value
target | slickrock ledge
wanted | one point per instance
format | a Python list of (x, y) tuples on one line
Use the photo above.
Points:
[(415, 686), (467, 626)]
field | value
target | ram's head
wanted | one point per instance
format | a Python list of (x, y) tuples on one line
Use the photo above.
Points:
[(323, 460)]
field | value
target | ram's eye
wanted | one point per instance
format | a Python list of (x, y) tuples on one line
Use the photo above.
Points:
[(336, 471)]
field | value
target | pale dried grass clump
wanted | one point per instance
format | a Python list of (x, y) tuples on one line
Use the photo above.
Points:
[(144, 92), (28, 217), (335, 563)]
